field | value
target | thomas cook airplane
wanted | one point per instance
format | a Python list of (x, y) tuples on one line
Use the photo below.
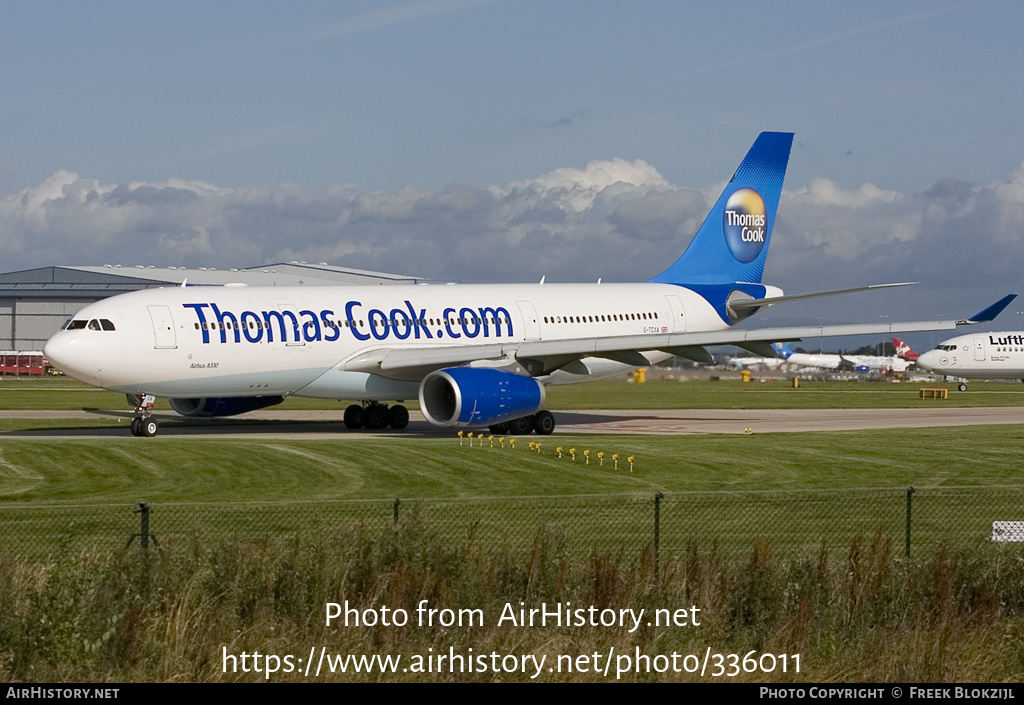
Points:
[(977, 356), (474, 355)]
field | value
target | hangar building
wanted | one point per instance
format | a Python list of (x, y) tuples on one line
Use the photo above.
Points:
[(34, 303)]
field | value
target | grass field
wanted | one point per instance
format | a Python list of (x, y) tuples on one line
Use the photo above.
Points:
[(354, 467), (211, 469), (774, 536)]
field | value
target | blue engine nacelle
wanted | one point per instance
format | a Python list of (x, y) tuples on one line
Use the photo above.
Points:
[(222, 406), (478, 396)]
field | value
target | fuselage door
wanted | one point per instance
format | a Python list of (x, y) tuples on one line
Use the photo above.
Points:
[(163, 327), (979, 349), (531, 326), (678, 324)]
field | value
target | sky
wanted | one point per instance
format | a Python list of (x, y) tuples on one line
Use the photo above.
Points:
[(488, 140)]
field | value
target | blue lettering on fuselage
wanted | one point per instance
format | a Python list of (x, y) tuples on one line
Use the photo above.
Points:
[(309, 326)]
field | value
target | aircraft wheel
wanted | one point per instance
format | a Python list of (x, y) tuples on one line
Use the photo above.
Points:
[(521, 426), (499, 428), (543, 423), (374, 417), (962, 386), (148, 428), (136, 426), (354, 416), (398, 417)]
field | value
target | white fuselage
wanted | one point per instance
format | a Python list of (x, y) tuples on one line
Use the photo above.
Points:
[(832, 361), (258, 341), (979, 355), (835, 362)]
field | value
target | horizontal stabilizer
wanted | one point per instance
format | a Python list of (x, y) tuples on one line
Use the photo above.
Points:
[(743, 306)]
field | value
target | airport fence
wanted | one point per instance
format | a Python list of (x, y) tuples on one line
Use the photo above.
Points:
[(789, 523)]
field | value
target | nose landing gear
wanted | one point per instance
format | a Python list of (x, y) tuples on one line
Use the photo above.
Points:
[(144, 424)]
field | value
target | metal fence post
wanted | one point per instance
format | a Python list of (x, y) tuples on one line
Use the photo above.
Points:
[(657, 529), (144, 535), (910, 492)]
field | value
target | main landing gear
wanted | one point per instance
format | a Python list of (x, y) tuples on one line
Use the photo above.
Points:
[(374, 415), (144, 424), (542, 423)]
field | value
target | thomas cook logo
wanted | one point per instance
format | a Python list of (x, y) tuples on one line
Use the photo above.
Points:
[(746, 224)]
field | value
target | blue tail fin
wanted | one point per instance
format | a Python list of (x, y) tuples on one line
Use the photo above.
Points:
[(783, 350), (732, 244)]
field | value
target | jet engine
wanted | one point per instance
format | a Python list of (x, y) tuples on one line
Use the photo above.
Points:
[(476, 396), (222, 406)]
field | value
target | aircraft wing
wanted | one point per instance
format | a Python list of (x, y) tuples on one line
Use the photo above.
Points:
[(544, 356)]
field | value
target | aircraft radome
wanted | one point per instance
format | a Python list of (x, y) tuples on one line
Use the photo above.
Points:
[(475, 355)]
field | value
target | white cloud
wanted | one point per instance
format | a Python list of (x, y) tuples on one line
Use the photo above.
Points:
[(615, 219)]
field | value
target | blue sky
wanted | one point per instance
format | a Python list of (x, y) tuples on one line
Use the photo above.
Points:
[(441, 91), (300, 110)]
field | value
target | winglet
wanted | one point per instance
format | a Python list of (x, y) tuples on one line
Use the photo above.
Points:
[(988, 314)]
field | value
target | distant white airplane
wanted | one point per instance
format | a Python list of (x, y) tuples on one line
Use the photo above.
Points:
[(979, 356), (474, 355), (840, 362), (771, 363)]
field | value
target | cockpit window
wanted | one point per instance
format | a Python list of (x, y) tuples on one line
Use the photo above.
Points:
[(94, 324)]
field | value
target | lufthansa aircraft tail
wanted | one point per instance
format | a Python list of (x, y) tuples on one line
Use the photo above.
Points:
[(732, 244)]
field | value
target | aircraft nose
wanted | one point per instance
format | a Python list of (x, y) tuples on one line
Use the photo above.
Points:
[(60, 351), (928, 360)]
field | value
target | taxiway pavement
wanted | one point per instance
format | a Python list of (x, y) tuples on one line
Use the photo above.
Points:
[(327, 423)]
